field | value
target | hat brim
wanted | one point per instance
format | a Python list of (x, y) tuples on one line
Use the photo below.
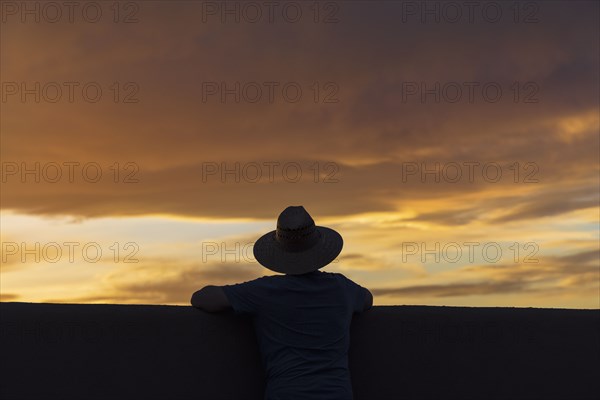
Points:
[(269, 253)]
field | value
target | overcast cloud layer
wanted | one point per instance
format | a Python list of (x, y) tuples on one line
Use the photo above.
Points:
[(397, 116)]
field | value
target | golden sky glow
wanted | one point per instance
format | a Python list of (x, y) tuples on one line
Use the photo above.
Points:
[(394, 142)]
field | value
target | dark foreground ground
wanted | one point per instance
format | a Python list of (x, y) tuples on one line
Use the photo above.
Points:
[(74, 351)]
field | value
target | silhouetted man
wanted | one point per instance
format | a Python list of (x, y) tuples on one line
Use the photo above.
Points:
[(302, 319)]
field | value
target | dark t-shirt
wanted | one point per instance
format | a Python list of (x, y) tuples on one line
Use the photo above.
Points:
[(302, 323)]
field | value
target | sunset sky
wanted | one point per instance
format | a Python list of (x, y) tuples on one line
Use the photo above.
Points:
[(347, 108)]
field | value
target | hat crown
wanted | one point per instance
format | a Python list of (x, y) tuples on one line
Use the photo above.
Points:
[(296, 230), (294, 218)]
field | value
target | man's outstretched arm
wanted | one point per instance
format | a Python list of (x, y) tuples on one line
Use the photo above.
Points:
[(210, 298)]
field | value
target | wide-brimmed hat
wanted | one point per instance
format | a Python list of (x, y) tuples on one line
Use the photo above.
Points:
[(297, 246)]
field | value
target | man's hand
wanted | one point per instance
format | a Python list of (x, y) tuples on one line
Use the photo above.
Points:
[(210, 298)]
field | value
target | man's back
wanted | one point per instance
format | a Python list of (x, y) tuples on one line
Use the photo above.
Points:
[(302, 324)]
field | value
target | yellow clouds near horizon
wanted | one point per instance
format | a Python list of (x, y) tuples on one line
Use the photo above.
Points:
[(392, 126)]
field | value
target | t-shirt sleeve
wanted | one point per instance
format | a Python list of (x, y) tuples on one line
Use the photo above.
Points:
[(356, 293), (246, 297)]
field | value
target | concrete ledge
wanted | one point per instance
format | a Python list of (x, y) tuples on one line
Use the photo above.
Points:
[(74, 351)]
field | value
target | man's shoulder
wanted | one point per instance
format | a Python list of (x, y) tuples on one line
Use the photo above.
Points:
[(267, 279), (347, 282), (329, 273), (337, 275), (341, 279), (261, 280)]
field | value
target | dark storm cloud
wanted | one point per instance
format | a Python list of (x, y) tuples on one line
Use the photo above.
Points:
[(454, 289), (370, 55), (581, 269), (553, 203), (163, 281)]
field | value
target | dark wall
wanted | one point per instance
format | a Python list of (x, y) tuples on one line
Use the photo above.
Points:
[(72, 351)]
